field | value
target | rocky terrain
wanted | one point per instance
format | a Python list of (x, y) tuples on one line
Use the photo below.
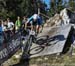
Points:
[(65, 17)]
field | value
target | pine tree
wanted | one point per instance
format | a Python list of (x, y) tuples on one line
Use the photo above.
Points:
[(14, 8), (52, 7), (59, 5), (72, 5)]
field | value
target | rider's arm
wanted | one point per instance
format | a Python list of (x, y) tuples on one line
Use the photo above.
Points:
[(28, 21)]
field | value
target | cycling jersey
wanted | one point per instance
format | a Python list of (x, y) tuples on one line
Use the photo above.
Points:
[(35, 17)]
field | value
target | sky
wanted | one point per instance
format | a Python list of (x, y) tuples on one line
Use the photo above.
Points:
[(48, 2)]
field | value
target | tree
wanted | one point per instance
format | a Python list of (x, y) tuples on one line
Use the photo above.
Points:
[(72, 5), (52, 7), (55, 7), (14, 8), (59, 6)]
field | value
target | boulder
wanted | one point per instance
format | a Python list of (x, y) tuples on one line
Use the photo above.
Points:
[(65, 17)]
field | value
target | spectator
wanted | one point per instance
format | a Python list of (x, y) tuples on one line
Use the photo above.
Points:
[(1, 33), (24, 20), (10, 24), (4, 25), (18, 23), (10, 27)]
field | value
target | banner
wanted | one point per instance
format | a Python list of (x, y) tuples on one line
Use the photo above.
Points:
[(13, 45)]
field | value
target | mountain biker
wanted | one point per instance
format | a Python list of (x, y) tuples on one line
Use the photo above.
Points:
[(35, 21)]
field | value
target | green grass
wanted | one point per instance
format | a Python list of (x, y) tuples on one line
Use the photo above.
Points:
[(50, 60)]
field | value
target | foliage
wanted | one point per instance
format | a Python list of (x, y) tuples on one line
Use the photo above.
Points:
[(72, 4), (14, 8), (57, 5), (52, 7)]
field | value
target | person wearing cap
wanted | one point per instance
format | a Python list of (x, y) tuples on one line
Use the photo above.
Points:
[(35, 21)]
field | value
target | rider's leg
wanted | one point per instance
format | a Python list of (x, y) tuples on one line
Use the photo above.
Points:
[(37, 28), (40, 28), (34, 23), (32, 27)]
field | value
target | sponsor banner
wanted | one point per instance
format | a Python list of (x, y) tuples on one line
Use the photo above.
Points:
[(13, 45)]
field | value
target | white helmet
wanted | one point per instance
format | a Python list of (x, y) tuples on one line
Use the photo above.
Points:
[(35, 16)]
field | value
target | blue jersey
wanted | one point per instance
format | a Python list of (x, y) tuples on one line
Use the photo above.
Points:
[(38, 20)]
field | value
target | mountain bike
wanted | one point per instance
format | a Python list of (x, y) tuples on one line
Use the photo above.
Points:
[(42, 42)]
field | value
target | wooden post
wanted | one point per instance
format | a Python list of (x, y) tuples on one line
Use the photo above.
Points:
[(38, 10)]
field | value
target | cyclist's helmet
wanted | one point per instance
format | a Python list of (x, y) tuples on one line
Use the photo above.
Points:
[(35, 16)]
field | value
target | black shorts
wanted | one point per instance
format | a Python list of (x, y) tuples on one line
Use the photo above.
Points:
[(34, 23)]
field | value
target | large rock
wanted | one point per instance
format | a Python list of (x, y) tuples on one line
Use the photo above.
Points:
[(54, 20), (65, 17), (64, 14)]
